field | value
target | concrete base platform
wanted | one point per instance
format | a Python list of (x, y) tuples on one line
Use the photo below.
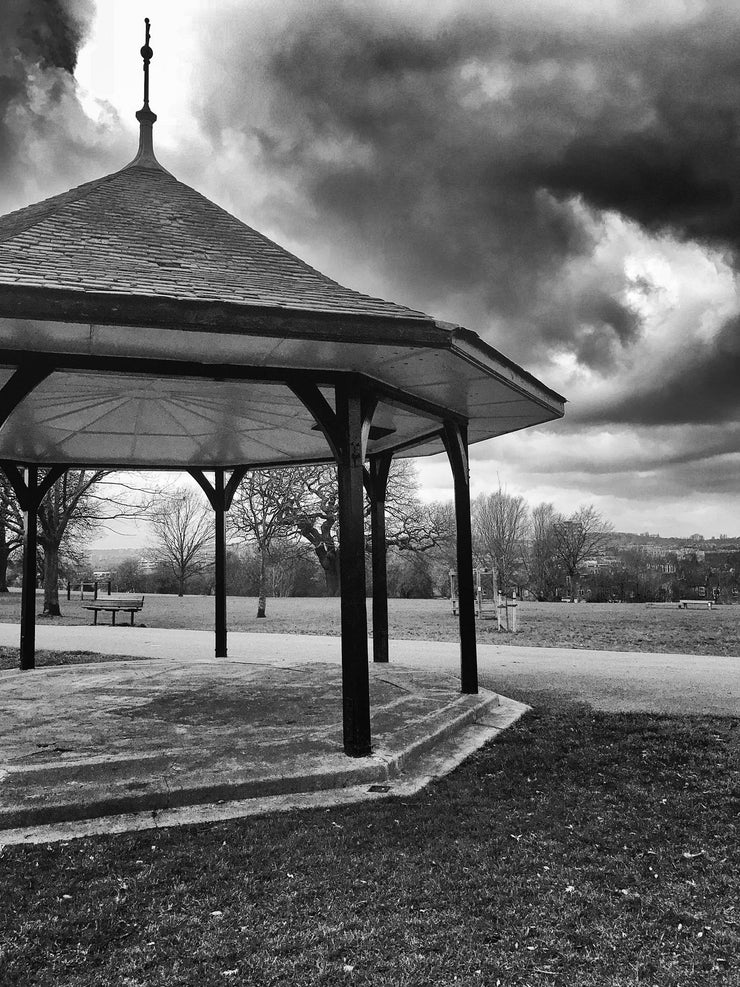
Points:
[(152, 736)]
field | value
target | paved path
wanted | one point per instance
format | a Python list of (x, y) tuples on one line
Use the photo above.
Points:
[(609, 680), (81, 742)]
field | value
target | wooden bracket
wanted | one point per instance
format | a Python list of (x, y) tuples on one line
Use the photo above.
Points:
[(208, 489), (368, 405), (219, 500), (375, 477), (54, 474), (20, 385), (30, 499), (326, 418), (455, 440)]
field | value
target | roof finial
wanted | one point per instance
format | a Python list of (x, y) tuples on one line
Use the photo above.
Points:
[(147, 54), (146, 118)]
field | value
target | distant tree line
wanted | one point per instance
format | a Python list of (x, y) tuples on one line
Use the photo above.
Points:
[(283, 540)]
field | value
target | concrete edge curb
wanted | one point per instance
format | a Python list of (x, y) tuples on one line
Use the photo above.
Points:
[(405, 758), (432, 765), (378, 768)]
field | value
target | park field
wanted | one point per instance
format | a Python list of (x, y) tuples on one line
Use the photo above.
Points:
[(600, 626), (581, 848)]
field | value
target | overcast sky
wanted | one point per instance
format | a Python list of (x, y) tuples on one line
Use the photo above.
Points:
[(560, 177)]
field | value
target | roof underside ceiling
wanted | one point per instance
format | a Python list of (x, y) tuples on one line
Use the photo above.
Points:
[(137, 396)]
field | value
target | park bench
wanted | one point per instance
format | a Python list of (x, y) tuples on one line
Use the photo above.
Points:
[(116, 602), (696, 604)]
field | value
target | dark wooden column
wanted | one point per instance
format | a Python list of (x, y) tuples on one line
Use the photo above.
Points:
[(29, 505), (353, 426), (456, 443), (347, 430), (220, 496), (27, 377), (219, 510), (30, 492), (377, 482)]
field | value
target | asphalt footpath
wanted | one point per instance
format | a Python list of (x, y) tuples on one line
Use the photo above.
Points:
[(167, 734)]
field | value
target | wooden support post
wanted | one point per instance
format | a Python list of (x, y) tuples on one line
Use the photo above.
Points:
[(28, 592), (220, 496), (378, 481), (353, 427), (456, 443), (347, 430), (220, 547)]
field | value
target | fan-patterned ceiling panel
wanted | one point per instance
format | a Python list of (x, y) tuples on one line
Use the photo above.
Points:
[(84, 417)]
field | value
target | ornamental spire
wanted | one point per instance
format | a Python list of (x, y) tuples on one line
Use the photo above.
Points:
[(145, 157)]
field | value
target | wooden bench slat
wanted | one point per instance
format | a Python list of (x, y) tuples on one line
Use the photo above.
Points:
[(115, 603)]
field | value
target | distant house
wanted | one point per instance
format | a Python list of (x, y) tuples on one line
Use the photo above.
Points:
[(691, 553), (599, 563)]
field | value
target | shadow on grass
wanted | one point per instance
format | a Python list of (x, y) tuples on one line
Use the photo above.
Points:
[(581, 848), (9, 658)]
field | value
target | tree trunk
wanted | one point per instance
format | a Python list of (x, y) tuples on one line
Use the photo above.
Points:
[(331, 574), (4, 556), (181, 585), (51, 581), (262, 601)]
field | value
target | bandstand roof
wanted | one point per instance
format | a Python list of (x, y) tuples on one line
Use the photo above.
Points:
[(173, 332)]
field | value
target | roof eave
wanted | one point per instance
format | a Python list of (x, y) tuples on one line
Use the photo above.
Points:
[(217, 316), (469, 346)]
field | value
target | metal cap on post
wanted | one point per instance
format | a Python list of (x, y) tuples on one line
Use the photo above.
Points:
[(145, 157)]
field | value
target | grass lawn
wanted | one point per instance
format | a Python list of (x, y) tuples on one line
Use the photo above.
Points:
[(603, 626), (580, 849)]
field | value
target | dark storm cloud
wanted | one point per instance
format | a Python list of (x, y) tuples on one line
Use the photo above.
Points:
[(53, 30), (46, 141), (702, 388), (390, 132), (35, 36), (454, 150)]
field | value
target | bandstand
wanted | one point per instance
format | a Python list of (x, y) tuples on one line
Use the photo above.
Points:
[(143, 327)]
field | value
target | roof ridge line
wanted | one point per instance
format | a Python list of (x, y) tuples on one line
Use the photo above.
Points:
[(262, 236), (273, 243), (37, 212)]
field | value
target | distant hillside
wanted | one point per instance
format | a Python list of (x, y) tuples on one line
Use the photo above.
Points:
[(627, 539), (109, 558)]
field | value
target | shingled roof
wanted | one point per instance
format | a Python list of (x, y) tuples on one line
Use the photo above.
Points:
[(168, 333), (142, 232)]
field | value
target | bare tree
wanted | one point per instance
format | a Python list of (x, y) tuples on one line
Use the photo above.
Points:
[(576, 538), (78, 503), (11, 528), (500, 523), (444, 554), (410, 524), (541, 556), (264, 511), (67, 515), (182, 524), (292, 566), (316, 519)]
